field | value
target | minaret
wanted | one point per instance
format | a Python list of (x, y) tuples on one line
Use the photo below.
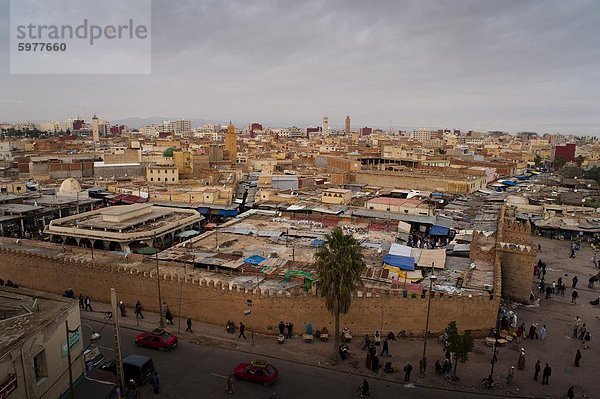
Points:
[(347, 126), (95, 130), (231, 142)]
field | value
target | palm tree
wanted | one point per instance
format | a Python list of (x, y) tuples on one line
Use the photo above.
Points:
[(340, 264)]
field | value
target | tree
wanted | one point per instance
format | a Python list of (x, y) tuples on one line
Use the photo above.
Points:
[(340, 264), (460, 345), (559, 162), (579, 160), (593, 173), (537, 160)]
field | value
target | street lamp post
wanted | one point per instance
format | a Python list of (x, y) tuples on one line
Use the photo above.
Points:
[(69, 357), (423, 362), (161, 323)]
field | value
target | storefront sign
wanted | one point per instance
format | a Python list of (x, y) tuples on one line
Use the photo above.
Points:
[(8, 386), (74, 338)]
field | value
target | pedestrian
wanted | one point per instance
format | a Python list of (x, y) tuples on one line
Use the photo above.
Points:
[(554, 287), (81, 305), (242, 329), (229, 384), (586, 340), (164, 309), (155, 381), (169, 317), (281, 327), (385, 350), (519, 334), (532, 332), (375, 362), (447, 367), (582, 332), (575, 280), (189, 325), (546, 374), (571, 392), (543, 332), (369, 359), (572, 255), (577, 358), (539, 247), (574, 296), (510, 375), (548, 292), (138, 310), (123, 309), (576, 326), (407, 370), (88, 304), (521, 360), (289, 330), (538, 368)]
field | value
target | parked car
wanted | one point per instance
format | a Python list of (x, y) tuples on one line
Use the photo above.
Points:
[(257, 371), (157, 339), (135, 367), (93, 358)]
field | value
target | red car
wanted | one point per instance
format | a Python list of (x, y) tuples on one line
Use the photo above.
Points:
[(257, 371), (157, 339)]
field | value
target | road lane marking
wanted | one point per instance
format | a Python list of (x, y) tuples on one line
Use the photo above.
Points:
[(219, 375), (104, 347)]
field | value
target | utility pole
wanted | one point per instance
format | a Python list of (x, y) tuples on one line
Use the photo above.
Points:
[(161, 323), (115, 317)]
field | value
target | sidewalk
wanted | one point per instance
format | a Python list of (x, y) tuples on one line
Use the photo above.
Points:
[(558, 349)]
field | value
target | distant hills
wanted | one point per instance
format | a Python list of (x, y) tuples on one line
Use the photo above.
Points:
[(153, 120)]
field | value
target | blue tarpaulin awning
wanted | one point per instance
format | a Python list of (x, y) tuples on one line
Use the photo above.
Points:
[(438, 230), (401, 262), (254, 259), (317, 242)]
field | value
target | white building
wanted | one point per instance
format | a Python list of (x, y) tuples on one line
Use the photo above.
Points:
[(421, 135), (179, 127), (50, 127), (326, 129)]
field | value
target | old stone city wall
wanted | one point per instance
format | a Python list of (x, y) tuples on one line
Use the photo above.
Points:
[(215, 303)]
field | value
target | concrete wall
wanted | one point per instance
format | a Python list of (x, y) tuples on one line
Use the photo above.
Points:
[(211, 302)]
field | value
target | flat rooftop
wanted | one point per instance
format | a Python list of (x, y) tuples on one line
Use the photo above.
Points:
[(136, 218), (21, 317)]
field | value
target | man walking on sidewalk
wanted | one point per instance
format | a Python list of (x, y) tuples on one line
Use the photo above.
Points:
[(138, 310), (242, 329), (189, 326), (538, 368), (88, 304), (407, 371), (546, 374)]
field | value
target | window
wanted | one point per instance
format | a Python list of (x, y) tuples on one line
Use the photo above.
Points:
[(173, 179), (39, 365), (152, 179)]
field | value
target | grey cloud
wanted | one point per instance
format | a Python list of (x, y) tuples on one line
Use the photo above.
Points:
[(514, 65)]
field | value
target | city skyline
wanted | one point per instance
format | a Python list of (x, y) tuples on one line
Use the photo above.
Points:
[(511, 66)]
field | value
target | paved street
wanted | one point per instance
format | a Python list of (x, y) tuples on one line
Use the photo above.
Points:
[(198, 371)]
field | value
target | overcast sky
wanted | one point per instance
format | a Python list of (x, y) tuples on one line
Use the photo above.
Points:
[(482, 65)]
